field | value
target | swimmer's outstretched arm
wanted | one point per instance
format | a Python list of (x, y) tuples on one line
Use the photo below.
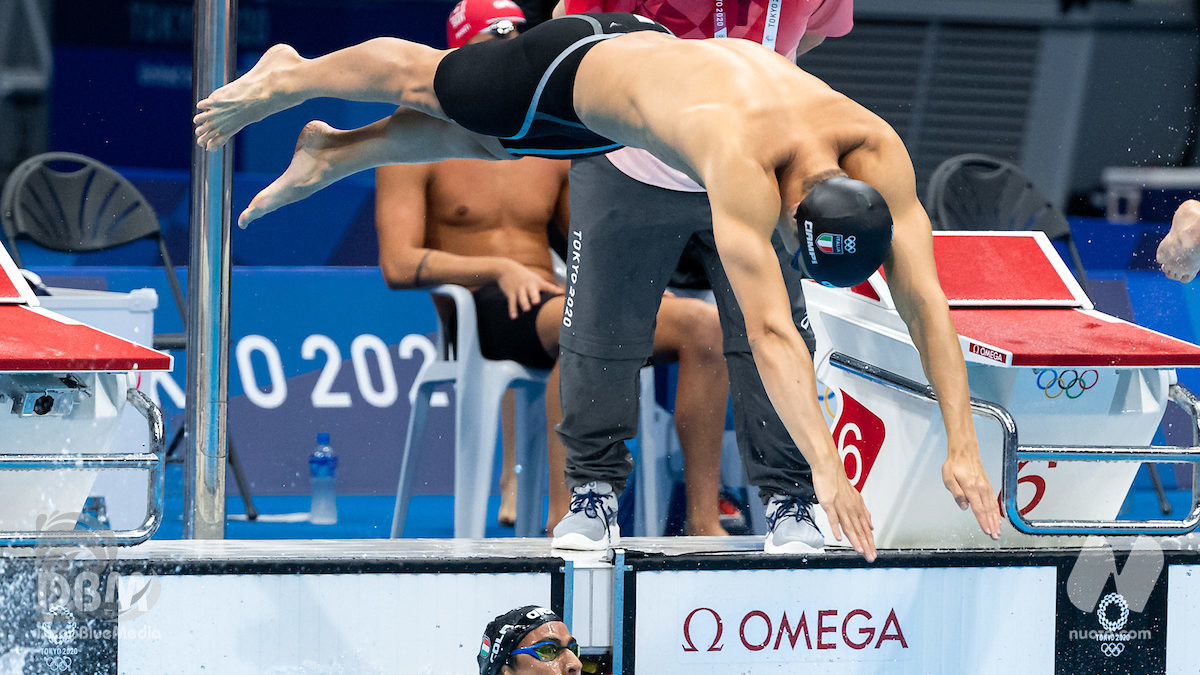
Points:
[(383, 70), (325, 155), (912, 279), (745, 206)]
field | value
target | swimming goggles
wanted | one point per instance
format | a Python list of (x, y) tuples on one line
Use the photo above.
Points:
[(547, 650), (501, 28)]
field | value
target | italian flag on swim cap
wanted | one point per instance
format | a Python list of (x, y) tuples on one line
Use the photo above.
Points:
[(830, 243)]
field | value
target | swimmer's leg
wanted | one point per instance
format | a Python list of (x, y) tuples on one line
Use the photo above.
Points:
[(325, 155), (384, 70)]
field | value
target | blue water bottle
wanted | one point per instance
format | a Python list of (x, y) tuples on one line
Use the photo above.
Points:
[(322, 470)]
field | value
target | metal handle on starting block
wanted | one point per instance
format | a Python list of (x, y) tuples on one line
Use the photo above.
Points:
[(153, 461), (1013, 454), (1191, 455)]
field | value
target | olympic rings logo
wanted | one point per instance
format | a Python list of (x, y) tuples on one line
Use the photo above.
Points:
[(850, 244), (1070, 382), (58, 664)]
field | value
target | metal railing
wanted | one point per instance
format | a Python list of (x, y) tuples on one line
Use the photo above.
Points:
[(1014, 453), (209, 277), (154, 462)]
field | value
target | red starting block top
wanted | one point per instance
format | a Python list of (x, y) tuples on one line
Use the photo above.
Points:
[(1054, 337), (1010, 291), (1004, 269), (1015, 302), (37, 340), (8, 290)]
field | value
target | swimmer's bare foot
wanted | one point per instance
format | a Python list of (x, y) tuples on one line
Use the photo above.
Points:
[(308, 172), (248, 99)]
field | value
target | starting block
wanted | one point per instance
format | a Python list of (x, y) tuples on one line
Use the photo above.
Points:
[(63, 387), (1085, 391)]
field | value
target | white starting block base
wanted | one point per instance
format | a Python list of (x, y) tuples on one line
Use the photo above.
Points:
[(659, 605), (57, 497), (1062, 374), (63, 388)]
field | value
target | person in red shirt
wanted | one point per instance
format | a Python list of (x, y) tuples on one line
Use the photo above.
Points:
[(799, 25)]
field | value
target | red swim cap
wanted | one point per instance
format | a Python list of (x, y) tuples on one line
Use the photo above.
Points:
[(471, 17)]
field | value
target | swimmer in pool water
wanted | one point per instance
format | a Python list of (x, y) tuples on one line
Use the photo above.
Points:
[(774, 146), (529, 640)]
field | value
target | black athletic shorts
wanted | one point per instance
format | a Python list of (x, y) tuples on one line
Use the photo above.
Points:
[(504, 339), (520, 90)]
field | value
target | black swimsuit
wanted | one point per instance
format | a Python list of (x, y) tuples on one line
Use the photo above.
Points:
[(521, 90), (504, 338)]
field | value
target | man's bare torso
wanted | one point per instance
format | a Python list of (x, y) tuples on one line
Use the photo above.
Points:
[(500, 209)]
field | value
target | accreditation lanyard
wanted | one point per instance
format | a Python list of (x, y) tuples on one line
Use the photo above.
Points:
[(770, 27)]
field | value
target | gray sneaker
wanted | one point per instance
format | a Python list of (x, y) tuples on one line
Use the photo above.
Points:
[(791, 528), (591, 522)]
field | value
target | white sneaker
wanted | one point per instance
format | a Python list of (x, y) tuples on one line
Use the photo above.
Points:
[(591, 521), (791, 528)]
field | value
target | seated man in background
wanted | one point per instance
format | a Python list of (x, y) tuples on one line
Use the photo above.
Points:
[(483, 225)]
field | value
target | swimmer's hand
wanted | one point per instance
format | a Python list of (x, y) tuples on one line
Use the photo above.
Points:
[(965, 478), (845, 508), (523, 287), (1179, 252)]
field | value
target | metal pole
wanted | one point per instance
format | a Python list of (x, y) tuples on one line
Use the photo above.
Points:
[(213, 64)]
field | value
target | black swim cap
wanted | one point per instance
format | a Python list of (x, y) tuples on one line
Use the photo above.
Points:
[(845, 232), (505, 632)]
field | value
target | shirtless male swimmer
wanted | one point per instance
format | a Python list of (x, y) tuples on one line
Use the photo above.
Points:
[(772, 145)]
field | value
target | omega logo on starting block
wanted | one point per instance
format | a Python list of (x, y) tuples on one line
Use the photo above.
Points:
[(987, 352)]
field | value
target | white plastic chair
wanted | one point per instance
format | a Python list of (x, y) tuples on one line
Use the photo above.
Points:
[(656, 435), (479, 386)]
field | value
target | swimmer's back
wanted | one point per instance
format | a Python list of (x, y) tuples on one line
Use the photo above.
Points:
[(682, 93)]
